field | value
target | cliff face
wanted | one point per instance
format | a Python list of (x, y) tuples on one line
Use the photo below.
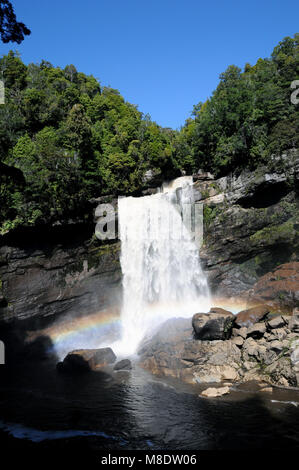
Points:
[(47, 274), (250, 228), (250, 224)]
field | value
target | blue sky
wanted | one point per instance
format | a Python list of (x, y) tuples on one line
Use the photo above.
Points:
[(165, 56)]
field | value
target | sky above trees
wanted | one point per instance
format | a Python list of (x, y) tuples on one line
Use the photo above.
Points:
[(162, 55)]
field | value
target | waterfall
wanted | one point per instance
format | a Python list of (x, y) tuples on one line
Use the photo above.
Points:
[(162, 276)]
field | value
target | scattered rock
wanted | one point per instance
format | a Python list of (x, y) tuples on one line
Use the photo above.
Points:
[(124, 364), (238, 341), (277, 346), (215, 392), (281, 372), (240, 332), (251, 353), (277, 322), (278, 334), (257, 330), (83, 360), (249, 317), (250, 348), (213, 326)]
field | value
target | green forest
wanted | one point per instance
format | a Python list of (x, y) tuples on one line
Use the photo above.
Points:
[(65, 139)]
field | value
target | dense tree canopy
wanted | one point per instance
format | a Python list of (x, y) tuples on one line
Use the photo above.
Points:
[(65, 139), (249, 116)]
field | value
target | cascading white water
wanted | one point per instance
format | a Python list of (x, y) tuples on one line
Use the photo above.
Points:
[(162, 276)]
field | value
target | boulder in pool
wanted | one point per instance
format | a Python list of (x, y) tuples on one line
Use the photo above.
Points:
[(84, 360), (215, 392)]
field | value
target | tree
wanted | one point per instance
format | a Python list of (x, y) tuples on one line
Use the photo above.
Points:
[(11, 30)]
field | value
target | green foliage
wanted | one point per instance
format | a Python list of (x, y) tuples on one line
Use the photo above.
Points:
[(64, 139), (249, 116), (209, 214)]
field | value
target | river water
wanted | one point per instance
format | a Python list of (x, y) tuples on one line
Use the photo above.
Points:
[(135, 410), (41, 409)]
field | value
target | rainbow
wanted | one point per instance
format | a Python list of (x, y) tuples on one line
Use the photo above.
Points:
[(89, 331), (102, 328)]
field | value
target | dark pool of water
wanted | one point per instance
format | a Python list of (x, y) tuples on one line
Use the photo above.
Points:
[(134, 410)]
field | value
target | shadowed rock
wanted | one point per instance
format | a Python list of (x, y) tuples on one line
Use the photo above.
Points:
[(84, 360), (216, 325), (277, 322), (257, 330)]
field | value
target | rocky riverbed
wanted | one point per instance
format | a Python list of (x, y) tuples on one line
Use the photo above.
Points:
[(221, 347)]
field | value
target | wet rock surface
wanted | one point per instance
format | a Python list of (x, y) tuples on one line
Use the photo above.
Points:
[(266, 351), (84, 360), (215, 392)]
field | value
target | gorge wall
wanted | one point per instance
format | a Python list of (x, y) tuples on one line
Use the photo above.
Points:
[(250, 229), (62, 270)]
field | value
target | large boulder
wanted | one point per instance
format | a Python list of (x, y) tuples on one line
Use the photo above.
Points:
[(257, 330), (277, 322), (174, 352), (84, 360), (240, 332), (216, 325), (253, 315)]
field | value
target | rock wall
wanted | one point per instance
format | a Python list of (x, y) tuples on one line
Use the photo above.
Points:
[(54, 271), (250, 224), (250, 228)]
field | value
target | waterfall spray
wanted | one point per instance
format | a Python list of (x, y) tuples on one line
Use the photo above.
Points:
[(162, 276)]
